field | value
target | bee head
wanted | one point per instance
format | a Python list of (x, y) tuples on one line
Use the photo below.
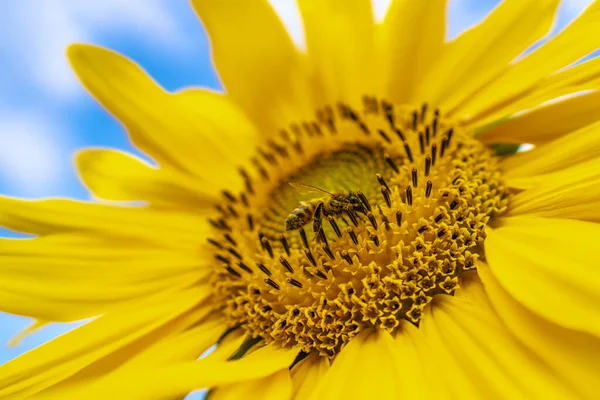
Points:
[(355, 202)]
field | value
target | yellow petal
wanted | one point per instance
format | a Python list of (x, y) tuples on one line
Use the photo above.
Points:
[(563, 152), (35, 325), (150, 349), (418, 366), (186, 345), (367, 360), (92, 343), (340, 43), (116, 175), (276, 387), (583, 76), (76, 300), (569, 193), (411, 39), (93, 274), (256, 60), (481, 348), (48, 216), (167, 381), (175, 129), (307, 374), (444, 372), (547, 122), (229, 344), (549, 265), (574, 42), (570, 353), (222, 133), (483, 52), (78, 255), (568, 83)]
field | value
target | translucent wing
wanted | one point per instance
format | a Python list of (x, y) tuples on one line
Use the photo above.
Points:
[(309, 188)]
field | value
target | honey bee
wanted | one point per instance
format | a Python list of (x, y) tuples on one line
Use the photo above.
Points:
[(313, 210)]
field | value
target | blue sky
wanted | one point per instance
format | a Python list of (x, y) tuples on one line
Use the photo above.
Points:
[(45, 115)]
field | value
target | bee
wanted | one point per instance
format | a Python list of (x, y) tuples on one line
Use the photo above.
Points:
[(330, 204)]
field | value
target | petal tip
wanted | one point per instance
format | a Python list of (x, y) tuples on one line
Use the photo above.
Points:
[(76, 51)]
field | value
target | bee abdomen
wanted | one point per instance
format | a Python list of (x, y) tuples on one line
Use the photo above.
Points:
[(299, 217)]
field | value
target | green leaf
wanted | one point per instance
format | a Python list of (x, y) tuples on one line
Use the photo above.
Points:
[(490, 126), (505, 149), (243, 349)]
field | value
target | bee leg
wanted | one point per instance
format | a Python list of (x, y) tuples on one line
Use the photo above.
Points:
[(317, 218), (360, 215), (356, 212), (345, 221)]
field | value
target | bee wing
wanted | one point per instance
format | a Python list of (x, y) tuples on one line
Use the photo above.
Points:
[(309, 188)]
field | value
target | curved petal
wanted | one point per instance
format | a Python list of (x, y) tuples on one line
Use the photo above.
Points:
[(167, 381), (483, 52), (48, 216), (93, 344), (582, 76), (368, 358), (340, 44), (307, 374), (549, 265), (175, 129), (569, 193), (480, 347), (228, 345), (419, 366), (93, 274), (277, 387), (537, 99), (572, 354), (76, 301), (117, 175), (183, 339), (183, 343), (574, 42), (566, 151), (256, 60), (33, 327), (546, 122), (451, 381), (411, 39), (566, 82)]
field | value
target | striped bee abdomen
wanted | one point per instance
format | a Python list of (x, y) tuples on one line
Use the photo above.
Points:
[(300, 216)]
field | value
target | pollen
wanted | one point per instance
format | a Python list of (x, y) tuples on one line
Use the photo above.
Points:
[(402, 196)]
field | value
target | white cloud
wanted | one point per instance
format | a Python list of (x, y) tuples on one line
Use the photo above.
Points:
[(37, 81), (30, 154), (290, 16), (34, 38)]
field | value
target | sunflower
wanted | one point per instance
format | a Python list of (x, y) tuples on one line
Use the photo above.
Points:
[(337, 223)]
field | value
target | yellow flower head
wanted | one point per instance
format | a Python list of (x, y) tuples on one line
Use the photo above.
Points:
[(340, 223)]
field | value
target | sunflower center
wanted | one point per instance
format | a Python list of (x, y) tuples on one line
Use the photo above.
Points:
[(354, 221)]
